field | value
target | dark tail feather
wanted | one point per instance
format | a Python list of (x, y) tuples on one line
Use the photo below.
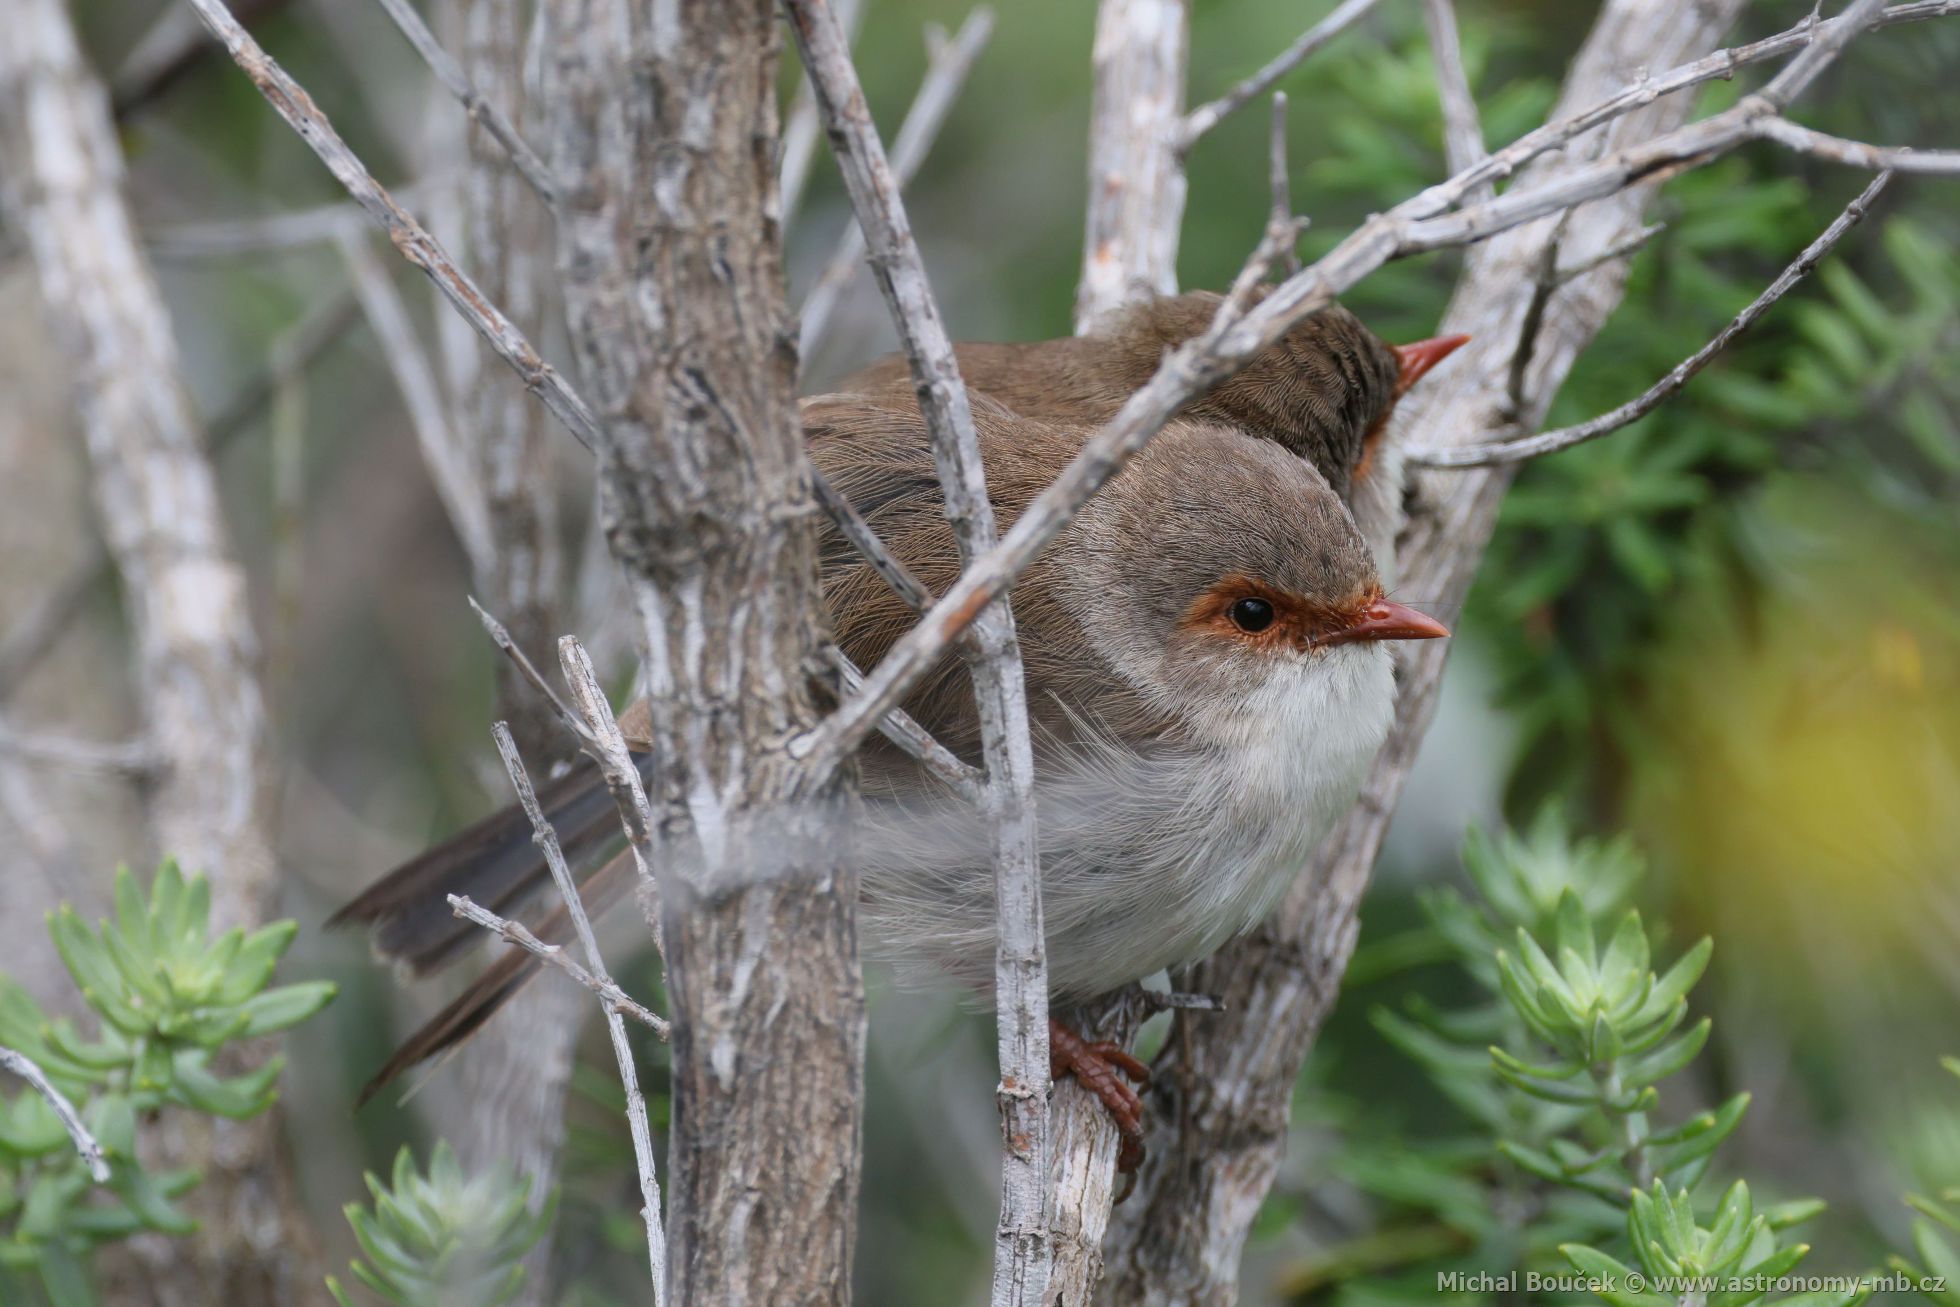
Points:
[(494, 862), (500, 981)]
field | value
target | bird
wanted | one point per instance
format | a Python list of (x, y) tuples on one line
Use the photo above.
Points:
[(1207, 675), (1326, 390)]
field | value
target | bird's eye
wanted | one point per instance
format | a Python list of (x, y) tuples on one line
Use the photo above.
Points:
[(1251, 614)]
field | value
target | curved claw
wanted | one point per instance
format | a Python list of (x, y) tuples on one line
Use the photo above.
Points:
[(1100, 1068)]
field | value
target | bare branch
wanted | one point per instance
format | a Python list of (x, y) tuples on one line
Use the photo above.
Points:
[(1207, 116), (858, 531), (1021, 1250), (1857, 154), (271, 233), (907, 734), (1279, 218), (71, 1120), (609, 992), (1136, 171), (415, 243), (451, 469), (1463, 134), (137, 758), (500, 636), (801, 127), (1618, 250), (485, 114), (614, 759), (1517, 451), (946, 72), (636, 1106)]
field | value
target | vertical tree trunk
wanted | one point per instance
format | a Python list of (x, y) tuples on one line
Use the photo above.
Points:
[(194, 656), (1180, 1238), (664, 128)]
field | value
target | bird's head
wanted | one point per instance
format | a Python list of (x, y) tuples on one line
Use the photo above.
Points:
[(1217, 566)]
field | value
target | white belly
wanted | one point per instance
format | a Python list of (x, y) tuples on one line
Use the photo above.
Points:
[(1152, 862)]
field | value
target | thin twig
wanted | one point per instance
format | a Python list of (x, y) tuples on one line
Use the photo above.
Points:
[(138, 758), (451, 469), (1280, 216), (415, 243), (802, 128), (272, 233), (608, 990), (500, 636), (946, 72), (865, 540), (614, 759), (71, 1121), (481, 111), (1463, 134), (900, 728), (1022, 1251), (1617, 250), (1516, 451), (1858, 154), (636, 1106), (1207, 116)]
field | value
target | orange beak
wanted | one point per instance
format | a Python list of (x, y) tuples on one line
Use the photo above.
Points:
[(1417, 359), (1386, 620)]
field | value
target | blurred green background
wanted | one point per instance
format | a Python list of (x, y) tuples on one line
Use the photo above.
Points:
[(1730, 630)]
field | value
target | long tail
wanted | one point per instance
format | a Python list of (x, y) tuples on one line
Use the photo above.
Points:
[(496, 863), (500, 981)]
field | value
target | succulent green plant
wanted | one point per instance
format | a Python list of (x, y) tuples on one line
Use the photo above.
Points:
[(168, 999), (442, 1238), (1936, 1238)]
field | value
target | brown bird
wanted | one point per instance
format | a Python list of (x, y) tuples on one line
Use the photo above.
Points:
[(1208, 629), (1325, 391)]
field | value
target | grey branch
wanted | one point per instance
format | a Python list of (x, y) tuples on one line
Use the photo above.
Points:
[(500, 636), (858, 531), (1463, 134), (136, 758), (1136, 171), (801, 129), (1021, 1251), (946, 71), (1207, 116), (608, 990), (481, 111), (1280, 222), (907, 734), (1517, 451), (636, 1106), (451, 469), (1857, 154), (71, 1121), (409, 236)]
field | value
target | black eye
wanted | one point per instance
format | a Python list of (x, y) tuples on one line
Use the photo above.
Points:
[(1251, 614)]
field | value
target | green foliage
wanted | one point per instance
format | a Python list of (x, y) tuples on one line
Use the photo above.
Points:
[(1936, 1238), (1557, 1069), (443, 1237), (169, 999)]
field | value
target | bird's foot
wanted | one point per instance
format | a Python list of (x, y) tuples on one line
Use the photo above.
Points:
[(1100, 1068)]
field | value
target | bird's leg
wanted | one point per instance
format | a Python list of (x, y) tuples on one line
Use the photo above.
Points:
[(1099, 1068)]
